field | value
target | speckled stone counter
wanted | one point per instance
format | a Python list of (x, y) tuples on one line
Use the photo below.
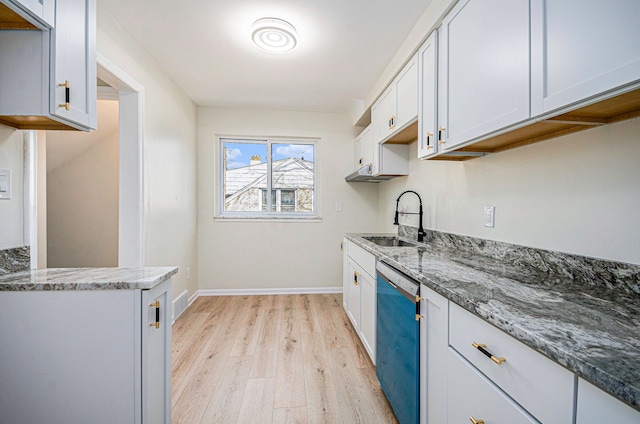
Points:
[(14, 259), (86, 279), (583, 313)]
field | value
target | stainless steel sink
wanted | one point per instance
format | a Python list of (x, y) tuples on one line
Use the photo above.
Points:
[(389, 241)]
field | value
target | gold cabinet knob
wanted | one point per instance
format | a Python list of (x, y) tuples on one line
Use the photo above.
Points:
[(475, 421)]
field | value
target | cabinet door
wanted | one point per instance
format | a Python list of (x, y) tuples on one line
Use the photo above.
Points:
[(428, 100), (472, 395), (364, 148), (353, 310), (582, 48), (406, 91), (156, 354), (595, 406), (357, 152), (434, 332), (385, 114), (368, 314), (483, 80), (346, 277), (73, 59)]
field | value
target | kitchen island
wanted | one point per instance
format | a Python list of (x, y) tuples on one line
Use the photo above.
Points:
[(582, 313), (86, 345)]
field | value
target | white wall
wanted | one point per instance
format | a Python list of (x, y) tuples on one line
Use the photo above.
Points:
[(169, 155), (11, 210), (259, 255), (82, 208), (578, 193)]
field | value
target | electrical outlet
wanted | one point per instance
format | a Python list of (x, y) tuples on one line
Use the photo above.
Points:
[(188, 273), (489, 216)]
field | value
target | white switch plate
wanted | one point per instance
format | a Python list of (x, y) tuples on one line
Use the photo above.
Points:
[(338, 206), (489, 216), (5, 184)]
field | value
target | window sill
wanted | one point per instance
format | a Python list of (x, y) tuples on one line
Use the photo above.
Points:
[(302, 219)]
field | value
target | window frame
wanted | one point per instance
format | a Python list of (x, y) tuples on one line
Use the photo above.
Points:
[(269, 214)]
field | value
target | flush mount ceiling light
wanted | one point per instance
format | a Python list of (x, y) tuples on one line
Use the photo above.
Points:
[(274, 35)]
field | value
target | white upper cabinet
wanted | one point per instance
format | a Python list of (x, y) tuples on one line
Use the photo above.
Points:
[(428, 99), (483, 78), (15, 14), (364, 148), (397, 107), (74, 60), (581, 49), (48, 78), (385, 110)]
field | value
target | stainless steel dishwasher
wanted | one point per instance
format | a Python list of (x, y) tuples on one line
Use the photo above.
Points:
[(398, 342)]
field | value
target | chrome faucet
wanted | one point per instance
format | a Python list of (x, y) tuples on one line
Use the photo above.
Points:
[(421, 232)]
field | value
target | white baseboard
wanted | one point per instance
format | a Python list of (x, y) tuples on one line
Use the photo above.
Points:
[(257, 292)]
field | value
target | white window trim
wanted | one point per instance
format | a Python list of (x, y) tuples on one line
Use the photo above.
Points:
[(238, 216)]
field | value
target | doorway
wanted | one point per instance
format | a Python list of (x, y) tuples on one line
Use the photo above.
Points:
[(129, 95)]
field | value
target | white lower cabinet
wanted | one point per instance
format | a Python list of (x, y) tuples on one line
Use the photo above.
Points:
[(368, 313), (596, 407), (434, 334), (353, 310), (542, 387), (93, 356), (359, 290), (474, 398)]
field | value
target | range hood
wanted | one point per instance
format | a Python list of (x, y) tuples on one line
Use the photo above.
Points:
[(364, 175)]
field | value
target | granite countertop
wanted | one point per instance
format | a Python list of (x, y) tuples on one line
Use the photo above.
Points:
[(591, 329), (86, 279)]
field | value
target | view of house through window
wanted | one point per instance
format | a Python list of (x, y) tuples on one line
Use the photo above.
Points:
[(254, 168)]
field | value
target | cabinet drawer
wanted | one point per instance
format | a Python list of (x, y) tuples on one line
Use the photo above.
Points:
[(363, 258), (470, 394), (541, 386)]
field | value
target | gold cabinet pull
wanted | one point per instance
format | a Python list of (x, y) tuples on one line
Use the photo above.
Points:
[(355, 278), (429, 135), (483, 348), (440, 131), (474, 421), (156, 305), (67, 89), (419, 317)]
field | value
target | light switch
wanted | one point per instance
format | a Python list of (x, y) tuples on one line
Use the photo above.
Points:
[(5, 184), (338, 206)]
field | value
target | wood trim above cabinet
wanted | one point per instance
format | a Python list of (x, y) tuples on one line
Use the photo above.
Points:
[(24, 122), (11, 20), (614, 109)]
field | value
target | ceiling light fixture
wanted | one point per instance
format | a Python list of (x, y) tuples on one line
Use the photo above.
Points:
[(274, 35)]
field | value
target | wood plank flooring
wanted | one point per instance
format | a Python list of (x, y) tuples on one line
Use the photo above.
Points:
[(272, 359)]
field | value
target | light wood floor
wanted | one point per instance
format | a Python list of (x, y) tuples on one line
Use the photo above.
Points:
[(272, 359)]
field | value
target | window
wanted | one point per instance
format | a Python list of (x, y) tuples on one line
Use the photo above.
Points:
[(253, 168)]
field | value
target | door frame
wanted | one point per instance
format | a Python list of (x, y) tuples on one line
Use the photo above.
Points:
[(131, 219)]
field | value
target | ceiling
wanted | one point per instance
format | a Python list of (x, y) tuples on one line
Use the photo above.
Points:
[(205, 46)]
